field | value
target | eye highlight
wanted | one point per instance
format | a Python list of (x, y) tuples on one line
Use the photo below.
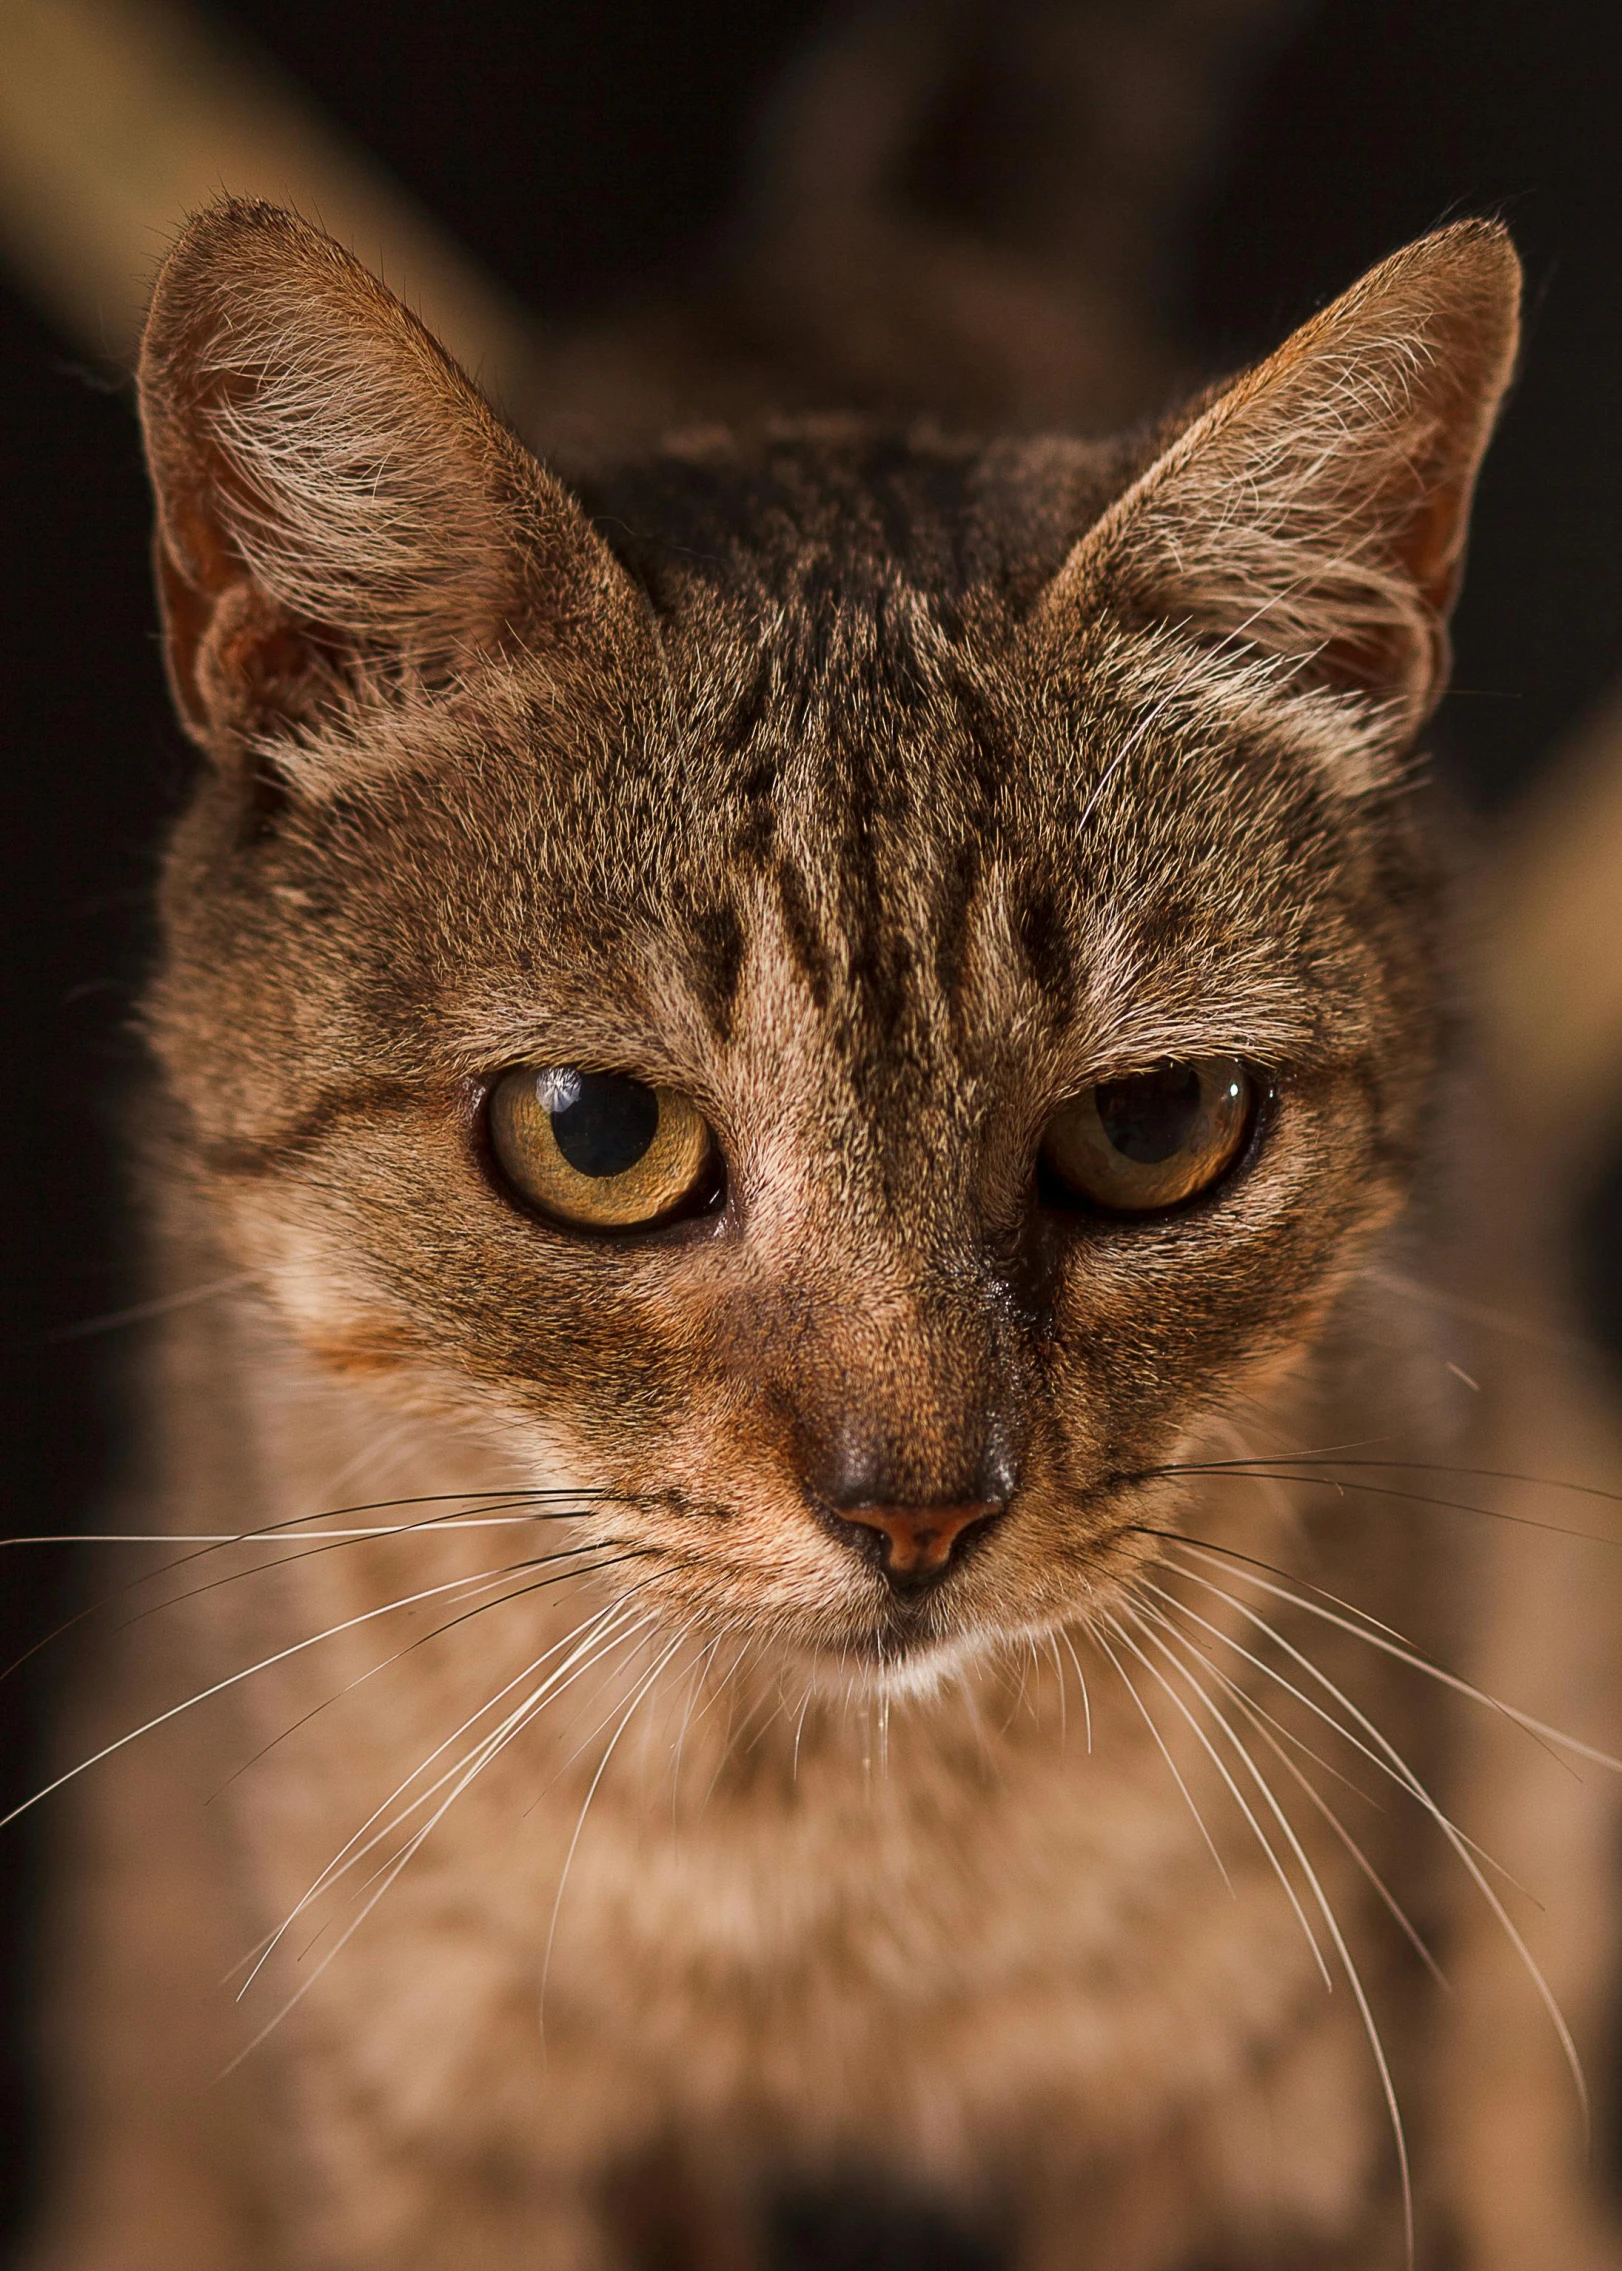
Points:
[(1151, 1139), (599, 1150)]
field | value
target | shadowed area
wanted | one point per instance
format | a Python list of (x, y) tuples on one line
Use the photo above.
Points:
[(864, 2228)]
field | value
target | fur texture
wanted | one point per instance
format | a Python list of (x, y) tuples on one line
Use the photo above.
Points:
[(631, 1860)]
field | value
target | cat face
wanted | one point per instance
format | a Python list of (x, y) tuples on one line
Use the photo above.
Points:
[(857, 1023)]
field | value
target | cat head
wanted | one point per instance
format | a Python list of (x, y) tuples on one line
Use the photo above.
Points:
[(851, 990)]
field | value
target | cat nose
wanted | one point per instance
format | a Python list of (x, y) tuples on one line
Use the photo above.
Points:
[(915, 1545)]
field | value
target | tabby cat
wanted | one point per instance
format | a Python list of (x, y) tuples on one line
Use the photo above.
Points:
[(806, 1084)]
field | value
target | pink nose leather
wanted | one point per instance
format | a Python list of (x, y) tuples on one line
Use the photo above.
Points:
[(919, 1539)]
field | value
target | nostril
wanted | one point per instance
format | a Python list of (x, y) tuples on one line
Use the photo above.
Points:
[(917, 1544)]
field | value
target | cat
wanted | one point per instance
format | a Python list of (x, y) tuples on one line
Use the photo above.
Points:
[(819, 1206)]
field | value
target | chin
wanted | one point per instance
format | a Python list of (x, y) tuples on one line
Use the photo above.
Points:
[(897, 1654)]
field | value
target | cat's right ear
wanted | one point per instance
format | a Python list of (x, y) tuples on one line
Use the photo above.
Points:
[(335, 500)]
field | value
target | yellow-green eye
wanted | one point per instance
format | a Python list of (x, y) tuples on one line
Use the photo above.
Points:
[(1151, 1139), (599, 1150)]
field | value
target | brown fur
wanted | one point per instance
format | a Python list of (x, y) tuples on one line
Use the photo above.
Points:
[(878, 789)]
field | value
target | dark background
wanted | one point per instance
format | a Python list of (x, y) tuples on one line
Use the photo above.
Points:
[(574, 147)]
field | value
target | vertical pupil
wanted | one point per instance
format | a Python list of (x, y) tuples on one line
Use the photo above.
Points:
[(602, 1123), (1151, 1116)]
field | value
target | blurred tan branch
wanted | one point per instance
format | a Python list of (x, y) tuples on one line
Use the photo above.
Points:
[(120, 117)]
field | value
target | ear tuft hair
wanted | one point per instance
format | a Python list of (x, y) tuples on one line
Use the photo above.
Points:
[(332, 492), (1315, 510)]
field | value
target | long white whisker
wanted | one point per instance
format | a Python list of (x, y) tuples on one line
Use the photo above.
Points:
[(1376, 1639), (585, 1807), (1160, 1744), (142, 1312), (607, 1643), (1332, 1926), (724, 1692), (292, 1526), (596, 1628), (347, 1855), (1266, 1726), (1454, 1838), (475, 1586), (280, 1537), (1234, 1792), (700, 1666), (1086, 1699), (1271, 1672), (235, 1679), (284, 1533), (1141, 1590), (1477, 1313), (489, 1748)]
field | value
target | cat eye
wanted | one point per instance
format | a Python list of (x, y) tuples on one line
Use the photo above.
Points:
[(599, 1150), (1151, 1139)]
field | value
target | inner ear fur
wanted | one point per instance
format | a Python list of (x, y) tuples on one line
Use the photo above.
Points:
[(1314, 511), (333, 494)]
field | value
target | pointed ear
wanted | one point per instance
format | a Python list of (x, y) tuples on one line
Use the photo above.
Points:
[(333, 495), (1315, 510)]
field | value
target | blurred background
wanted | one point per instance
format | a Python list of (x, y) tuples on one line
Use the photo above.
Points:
[(1168, 185)]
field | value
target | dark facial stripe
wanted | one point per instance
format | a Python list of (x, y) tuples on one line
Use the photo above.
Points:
[(244, 1156), (1046, 948), (739, 727), (953, 904), (800, 925), (718, 942)]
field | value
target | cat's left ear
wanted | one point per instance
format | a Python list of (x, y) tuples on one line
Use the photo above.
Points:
[(1315, 511), (337, 504)]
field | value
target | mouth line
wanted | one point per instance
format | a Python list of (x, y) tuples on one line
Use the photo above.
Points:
[(896, 1625)]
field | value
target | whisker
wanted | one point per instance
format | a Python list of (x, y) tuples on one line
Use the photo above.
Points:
[(1259, 1470), (1332, 1926), (233, 1679), (1376, 1637), (406, 1529), (1271, 1672), (276, 1533), (585, 1807), (799, 1730), (1234, 1792), (558, 1684), (520, 1593), (768, 1709), (1334, 1456), (1455, 1839), (259, 1537), (1257, 1561), (142, 1312), (586, 1637), (1479, 1313), (263, 1947), (1171, 1763), (555, 1686), (1256, 1717), (1365, 1625), (1086, 1699), (1137, 1590), (699, 1668), (723, 1692)]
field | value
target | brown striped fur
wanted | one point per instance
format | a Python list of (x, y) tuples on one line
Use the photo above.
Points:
[(878, 787)]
